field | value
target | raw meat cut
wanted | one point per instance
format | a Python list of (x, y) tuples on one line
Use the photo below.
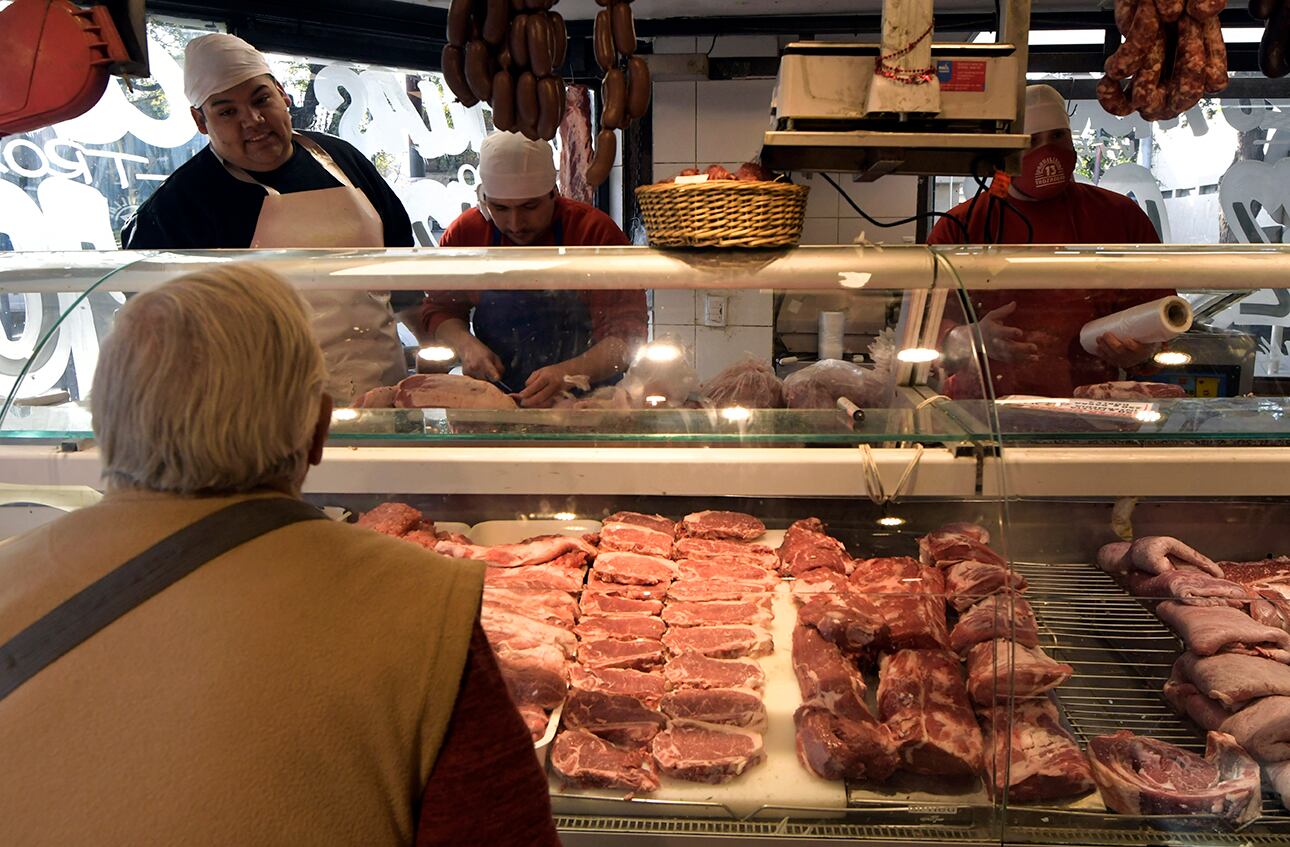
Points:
[(910, 596), (699, 752), (1144, 776), (1160, 553), (749, 383), (719, 613), (535, 675), (638, 653), (618, 718), (644, 686), (847, 619), (633, 569), (394, 519), (1207, 630), (993, 665), (1114, 557), (836, 747), (732, 552), (700, 570), (1263, 728), (450, 391), (943, 548), (1233, 679), (381, 397), (531, 551), (1270, 608), (718, 642), (1036, 757), (692, 670), (806, 547), (1190, 586), (922, 701), (654, 522), (826, 678), (971, 530), (631, 538), (536, 719), (625, 590), (1278, 773), (621, 627), (575, 145), (968, 581), (1128, 390), (595, 604), (520, 632), (706, 590), (557, 608), (733, 526), (563, 574), (1006, 616), (730, 706), (819, 581), (1265, 573), (587, 761), (1190, 703)]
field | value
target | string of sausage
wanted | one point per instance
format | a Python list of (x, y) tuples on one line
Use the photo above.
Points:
[(625, 89), (1150, 28)]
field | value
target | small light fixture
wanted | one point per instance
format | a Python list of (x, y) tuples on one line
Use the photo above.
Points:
[(735, 414), (436, 353), (345, 415), (564, 516), (655, 399), (661, 352), (1147, 415), (1172, 358), (918, 355), (890, 520)]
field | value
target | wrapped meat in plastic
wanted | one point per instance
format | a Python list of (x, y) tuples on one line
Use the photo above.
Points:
[(819, 386), (750, 383)]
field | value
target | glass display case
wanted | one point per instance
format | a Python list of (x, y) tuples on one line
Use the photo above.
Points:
[(967, 456)]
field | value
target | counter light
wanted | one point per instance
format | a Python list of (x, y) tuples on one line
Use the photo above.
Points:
[(916, 355), (1148, 416), (736, 414), (345, 415), (891, 520), (655, 399), (1172, 358), (661, 352), (436, 353), (565, 516)]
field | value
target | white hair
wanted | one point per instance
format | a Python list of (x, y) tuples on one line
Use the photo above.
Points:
[(209, 384)]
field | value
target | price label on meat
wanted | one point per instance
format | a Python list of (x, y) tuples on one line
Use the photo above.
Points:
[(1144, 412)]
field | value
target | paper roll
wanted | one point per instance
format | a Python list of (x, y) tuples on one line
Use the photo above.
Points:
[(832, 327), (1159, 320)]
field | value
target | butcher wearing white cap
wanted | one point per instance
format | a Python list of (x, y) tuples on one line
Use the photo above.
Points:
[(1032, 336), (534, 344), (259, 183)]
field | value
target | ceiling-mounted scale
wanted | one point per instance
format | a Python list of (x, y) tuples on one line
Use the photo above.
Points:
[(908, 105)]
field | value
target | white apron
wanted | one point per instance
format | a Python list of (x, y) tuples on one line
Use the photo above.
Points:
[(356, 329)]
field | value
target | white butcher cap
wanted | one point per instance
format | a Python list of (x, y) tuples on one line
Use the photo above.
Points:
[(1045, 109), (511, 167), (217, 62)]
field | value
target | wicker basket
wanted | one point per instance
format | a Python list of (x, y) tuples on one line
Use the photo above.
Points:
[(723, 213)]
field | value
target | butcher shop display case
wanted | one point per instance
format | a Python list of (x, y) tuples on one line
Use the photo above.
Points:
[(826, 562)]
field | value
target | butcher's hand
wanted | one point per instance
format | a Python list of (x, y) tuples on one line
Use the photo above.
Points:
[(1123, 353), (544, 385), (477, 359), (1003, 343)]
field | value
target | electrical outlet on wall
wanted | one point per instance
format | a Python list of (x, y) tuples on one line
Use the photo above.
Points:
[(714, 309)]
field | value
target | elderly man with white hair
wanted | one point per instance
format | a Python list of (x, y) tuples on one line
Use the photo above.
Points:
[(1032, 336), (203, 658), (532, 343)]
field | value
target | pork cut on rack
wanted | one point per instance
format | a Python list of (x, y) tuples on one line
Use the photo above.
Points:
[(911, 598), (1234, 679), (634, 538), (924, 704), (726, 570), (945, 547), (596, 604), (640, 654), (588, 761), (618, 718), (1159, 553), (597, 584), (621, 627), (732, 526), (807, 547), (646, 686), (1263, 728), (1031, 752), (657, 523), (1000, 667), (719, 642), (692, 670), (741, 707), (698, 752), (1188, 585), (1188, 702), (1145, 776), (967, 582), (633, 569), (733, 552), (705, 590), (719, 613), (1007, 616), (1207, 630)]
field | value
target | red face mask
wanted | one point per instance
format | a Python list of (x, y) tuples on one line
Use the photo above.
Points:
[(1046, 171)]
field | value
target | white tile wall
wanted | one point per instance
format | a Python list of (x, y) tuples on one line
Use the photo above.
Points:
[(674, 122), (717, 349), (731, 117), (850, 228), (674, 306), (741, 45), (684, 333)]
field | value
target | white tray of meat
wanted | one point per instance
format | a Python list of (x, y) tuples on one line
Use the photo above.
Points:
[(490, 533)]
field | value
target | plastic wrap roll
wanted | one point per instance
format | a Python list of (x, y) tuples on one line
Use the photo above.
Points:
[(1159, 320), (832, 326)]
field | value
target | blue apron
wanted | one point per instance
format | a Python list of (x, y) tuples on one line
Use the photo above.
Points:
[(529, 330)]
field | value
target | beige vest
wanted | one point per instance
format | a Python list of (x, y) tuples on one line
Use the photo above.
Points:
[(292, 691)]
